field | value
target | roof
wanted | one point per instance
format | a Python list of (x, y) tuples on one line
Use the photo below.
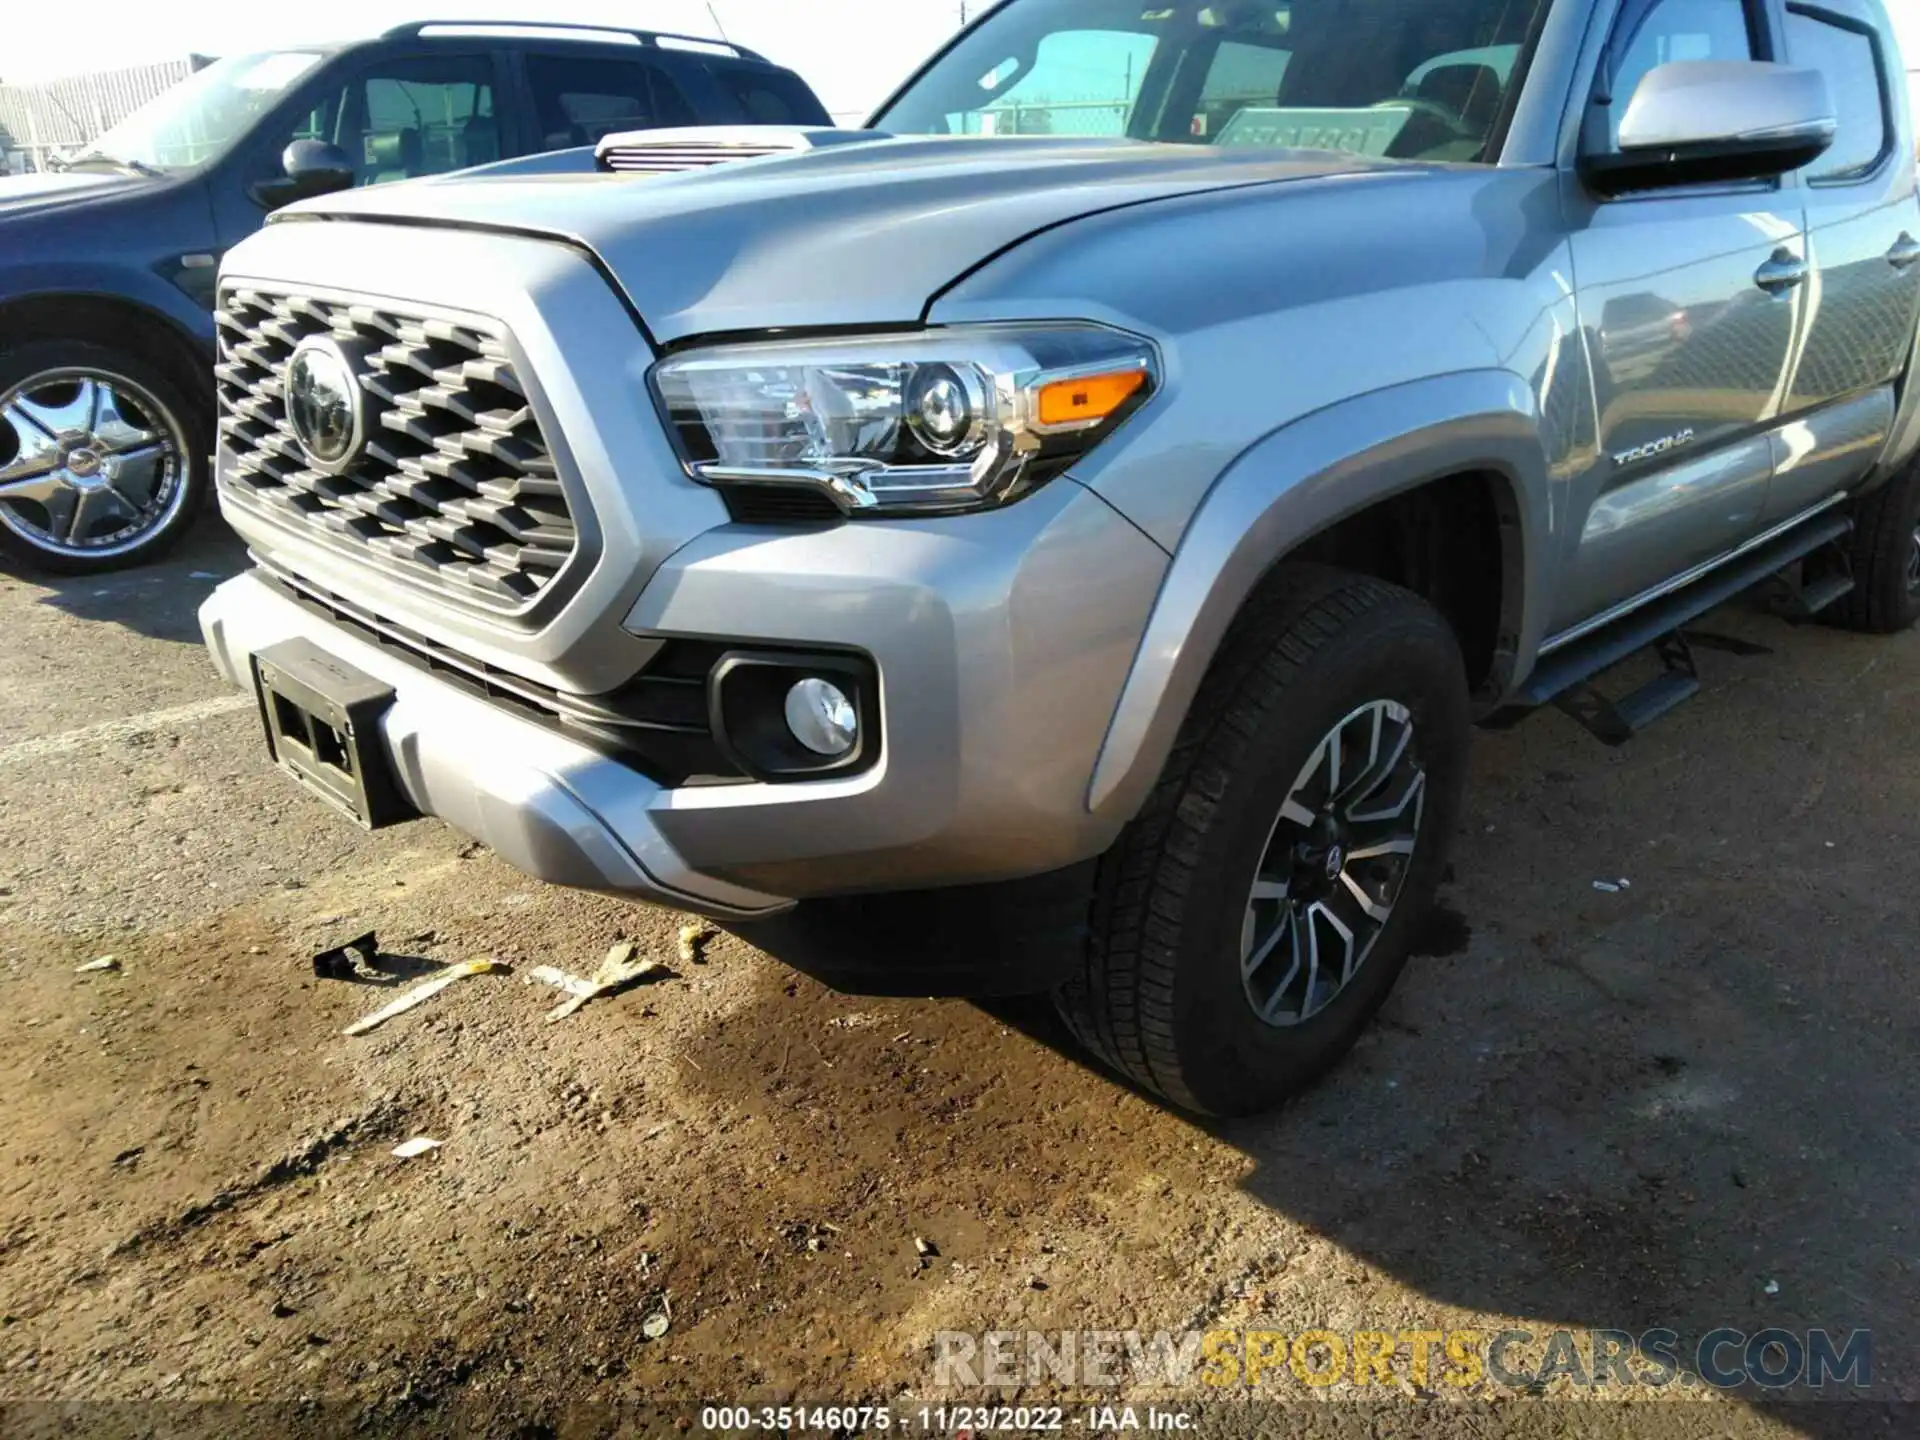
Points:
[(569, 30)]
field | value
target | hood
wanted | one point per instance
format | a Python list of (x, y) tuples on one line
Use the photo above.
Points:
[(53, 190), (856, 234)]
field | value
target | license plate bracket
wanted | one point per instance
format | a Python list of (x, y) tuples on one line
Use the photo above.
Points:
[(322, 719)]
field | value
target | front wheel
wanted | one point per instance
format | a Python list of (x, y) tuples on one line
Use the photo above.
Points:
[(102, 459), (1257, 913)]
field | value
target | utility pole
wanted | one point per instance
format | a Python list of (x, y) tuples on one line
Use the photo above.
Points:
[(963, 12)]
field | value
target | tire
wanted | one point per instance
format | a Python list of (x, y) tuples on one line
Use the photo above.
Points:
[(104, 458), (1161, 995), (1885, 599)]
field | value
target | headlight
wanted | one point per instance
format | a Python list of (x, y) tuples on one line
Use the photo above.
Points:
[(940, 420)]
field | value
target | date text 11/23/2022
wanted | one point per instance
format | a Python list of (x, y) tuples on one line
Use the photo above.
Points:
[(944, 1419)]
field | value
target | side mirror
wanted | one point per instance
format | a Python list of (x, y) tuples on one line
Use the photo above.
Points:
[(1700, 122), (309, 168)]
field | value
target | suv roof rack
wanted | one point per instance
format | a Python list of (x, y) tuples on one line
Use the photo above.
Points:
[(413, 29)]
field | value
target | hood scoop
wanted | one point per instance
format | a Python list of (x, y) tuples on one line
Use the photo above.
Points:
[(699, 147)]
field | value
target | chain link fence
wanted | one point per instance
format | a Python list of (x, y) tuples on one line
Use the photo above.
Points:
[(1045, 117), (41, 120)]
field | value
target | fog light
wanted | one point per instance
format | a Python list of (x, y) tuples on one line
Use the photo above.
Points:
[(822, 718)]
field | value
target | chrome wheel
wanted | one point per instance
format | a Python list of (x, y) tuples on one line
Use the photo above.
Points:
[(1334, 865), (91, 465), (1913, 563)]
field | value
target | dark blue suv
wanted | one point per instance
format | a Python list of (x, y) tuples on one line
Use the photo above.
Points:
[(107, 266)]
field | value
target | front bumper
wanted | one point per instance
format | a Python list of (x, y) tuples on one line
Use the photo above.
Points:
[(550, 806), (1000, 643), (1001, 640)]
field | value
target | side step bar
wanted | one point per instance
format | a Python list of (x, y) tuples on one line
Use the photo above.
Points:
[(1615, 722), (1803, 603), (1562, 676)]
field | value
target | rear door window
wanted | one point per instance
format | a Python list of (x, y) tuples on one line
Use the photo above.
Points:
[(770, 97), (581, 101)]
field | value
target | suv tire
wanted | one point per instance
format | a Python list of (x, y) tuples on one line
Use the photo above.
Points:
[(1320, 665), (1885, 599), (103, 458)]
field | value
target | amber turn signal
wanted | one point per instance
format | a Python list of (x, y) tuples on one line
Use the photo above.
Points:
[(1089, 399)]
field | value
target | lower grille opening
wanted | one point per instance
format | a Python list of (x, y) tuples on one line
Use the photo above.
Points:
[(779, 505), (656, 723)]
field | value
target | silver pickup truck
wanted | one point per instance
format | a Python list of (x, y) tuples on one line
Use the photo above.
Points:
[(1061, 537)]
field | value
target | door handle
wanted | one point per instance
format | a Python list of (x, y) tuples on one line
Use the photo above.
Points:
[(1905, 253), (1780, 274)]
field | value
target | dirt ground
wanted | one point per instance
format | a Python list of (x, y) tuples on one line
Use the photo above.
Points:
[(1688, 1104)]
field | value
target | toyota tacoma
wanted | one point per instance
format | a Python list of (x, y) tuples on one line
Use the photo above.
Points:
[(1061, 537)]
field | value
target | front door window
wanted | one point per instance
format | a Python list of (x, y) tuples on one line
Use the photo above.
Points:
[(404, 118)]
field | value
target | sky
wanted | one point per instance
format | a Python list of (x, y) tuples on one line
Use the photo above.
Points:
[(852, 51)]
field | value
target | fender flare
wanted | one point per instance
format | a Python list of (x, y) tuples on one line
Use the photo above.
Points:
[(126, 285), (1295, 484)]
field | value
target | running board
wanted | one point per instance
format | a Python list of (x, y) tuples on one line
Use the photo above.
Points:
[(1615, 722), (1798, 603), (1658, 624)]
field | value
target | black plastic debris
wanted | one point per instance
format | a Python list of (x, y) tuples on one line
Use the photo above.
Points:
[(341, 964)]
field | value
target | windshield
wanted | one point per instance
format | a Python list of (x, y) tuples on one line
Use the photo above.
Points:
[(202, 117), (1413, 79)]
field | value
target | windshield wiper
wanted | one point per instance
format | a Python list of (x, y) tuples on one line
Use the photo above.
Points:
[(98, 157)]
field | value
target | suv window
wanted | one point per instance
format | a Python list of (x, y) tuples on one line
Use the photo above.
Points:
[(1679, 30), (1425, 79), (1857, 80), (403, 118), (580, 101), (770, 97)]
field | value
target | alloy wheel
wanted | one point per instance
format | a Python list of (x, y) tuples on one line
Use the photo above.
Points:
[(1913, 563), (1334, 865), (91, 465)]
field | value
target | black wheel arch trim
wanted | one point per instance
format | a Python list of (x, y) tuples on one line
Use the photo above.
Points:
[(185, 353), (1295, 485)]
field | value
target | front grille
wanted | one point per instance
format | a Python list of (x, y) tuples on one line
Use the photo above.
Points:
[(454, 484)]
